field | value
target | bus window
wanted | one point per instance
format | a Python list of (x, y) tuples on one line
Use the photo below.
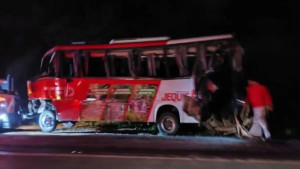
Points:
[(173, 68), (121, 66), (143, 67), (72, 64), (50, 65), (181, 60), (67, 68), (138, 64), (134, 63), (191, 59), (96, 67), (157, 65), (150, 62), (153, 63), (47, 67), (117, 62), (169, 64)]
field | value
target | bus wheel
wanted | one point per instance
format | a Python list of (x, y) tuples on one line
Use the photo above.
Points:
[(69, 124), (168, 124), (47, 121)]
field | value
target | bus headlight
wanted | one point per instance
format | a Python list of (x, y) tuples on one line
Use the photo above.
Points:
[(2, 105)]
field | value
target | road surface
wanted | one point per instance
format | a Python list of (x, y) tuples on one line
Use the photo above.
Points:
[(78, 161), (34, 149)]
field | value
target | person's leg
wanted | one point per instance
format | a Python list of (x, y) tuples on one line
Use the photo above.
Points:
[(263, 124), (256, 129)]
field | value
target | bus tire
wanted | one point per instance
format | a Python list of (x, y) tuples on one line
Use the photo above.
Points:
[(168, 124), (47, 121), (69, 124)]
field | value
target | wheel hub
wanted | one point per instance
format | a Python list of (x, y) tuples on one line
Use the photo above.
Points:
[(168, 124), (48, 121)]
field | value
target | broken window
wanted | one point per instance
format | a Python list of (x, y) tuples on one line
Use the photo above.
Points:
[(50, 65), (181, 60), (67, 67), (95, 64), (117, 63), (138, 64)]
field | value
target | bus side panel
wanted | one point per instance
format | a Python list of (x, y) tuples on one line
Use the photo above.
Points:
[(141, 102), (93, 99), (61, 93), (67, 110), (105, 101), (117, 100), (171, 92), (47, 88)]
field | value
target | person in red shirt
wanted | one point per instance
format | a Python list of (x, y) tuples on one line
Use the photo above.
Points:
[(259, 98)]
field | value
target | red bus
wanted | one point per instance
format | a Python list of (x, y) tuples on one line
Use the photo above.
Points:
[(150, 80)]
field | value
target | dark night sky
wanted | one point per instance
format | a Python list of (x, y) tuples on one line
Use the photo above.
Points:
[(267, 31)]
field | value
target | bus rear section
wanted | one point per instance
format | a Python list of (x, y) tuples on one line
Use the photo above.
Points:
[(162, 82)]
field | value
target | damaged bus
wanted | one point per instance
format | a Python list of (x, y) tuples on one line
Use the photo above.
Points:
[(160, 80)]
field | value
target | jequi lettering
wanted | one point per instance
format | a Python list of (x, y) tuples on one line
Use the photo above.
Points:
[(174, 96)]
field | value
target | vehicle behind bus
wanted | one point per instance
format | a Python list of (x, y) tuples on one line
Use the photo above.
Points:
[(9, 117), (167, 82)]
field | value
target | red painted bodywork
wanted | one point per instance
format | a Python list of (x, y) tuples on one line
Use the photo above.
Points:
[(68, 96)]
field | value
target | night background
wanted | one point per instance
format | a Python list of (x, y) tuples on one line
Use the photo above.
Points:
[(267, 31)]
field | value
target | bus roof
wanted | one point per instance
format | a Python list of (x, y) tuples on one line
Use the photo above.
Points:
[(139, 44)]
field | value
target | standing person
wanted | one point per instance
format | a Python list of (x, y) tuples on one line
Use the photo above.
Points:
[(259, 98)]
